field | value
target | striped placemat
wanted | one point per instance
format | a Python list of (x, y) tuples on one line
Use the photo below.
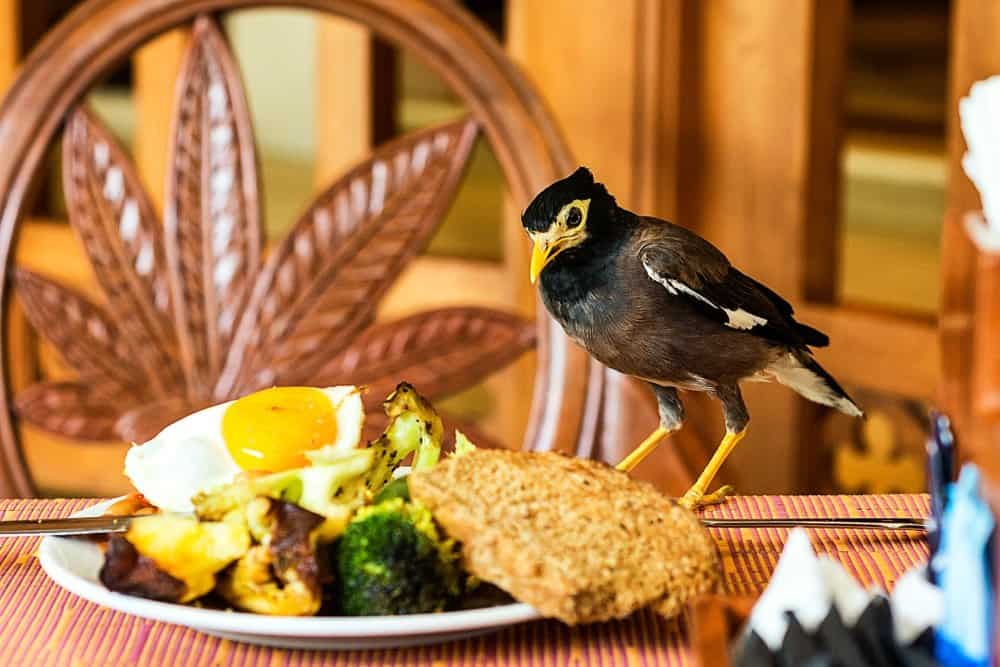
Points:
[(41, 624)]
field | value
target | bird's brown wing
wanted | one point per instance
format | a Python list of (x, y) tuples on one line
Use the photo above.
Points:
[(690, 268)]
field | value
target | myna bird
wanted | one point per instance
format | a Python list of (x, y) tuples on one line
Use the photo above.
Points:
[(657, 302)]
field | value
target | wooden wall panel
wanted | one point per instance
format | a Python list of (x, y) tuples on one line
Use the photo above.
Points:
[(893, 353), (579, 54), (343, 97), (761, 158), (974, 55), (723, 117), (155, 65), (609, 74), (10, 42)]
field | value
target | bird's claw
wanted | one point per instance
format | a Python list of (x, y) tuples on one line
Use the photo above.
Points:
[(695, 499)]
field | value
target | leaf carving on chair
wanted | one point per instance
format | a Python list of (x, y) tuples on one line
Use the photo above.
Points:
[(143, 422), (116, 224), (212, 222), (68, 409), (193, 316), (381, 213), (440, 351), (83, 333)]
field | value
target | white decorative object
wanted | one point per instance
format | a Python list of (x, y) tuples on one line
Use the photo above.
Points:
[(980, 118), (808, 585), (797, 585), (916, 605)]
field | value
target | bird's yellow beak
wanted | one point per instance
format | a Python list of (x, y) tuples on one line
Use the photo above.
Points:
[(541, 253), (559, 236)]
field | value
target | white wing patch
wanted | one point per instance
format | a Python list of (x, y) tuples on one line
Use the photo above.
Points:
[(736, 318), (741, 319)]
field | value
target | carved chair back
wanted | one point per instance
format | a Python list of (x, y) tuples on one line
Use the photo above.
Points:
[(195, 311)]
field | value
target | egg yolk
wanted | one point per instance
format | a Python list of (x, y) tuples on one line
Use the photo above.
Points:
[(272, 429)]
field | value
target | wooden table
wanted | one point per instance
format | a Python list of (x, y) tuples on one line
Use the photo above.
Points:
[(41, 624)]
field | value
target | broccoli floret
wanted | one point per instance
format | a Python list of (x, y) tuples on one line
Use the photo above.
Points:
[(392, 560), (397, 488)]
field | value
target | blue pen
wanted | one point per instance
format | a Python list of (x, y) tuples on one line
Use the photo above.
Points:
[(940, 473)]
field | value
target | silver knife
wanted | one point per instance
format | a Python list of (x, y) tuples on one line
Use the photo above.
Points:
[(900, 523), (117, 524), (84, 525)]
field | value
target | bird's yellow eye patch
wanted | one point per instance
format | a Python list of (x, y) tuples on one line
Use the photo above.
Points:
[(573, 216), (272, 429)]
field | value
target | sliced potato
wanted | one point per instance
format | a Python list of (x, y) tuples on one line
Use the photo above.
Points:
[(188, 550)]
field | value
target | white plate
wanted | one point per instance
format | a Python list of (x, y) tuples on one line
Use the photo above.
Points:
[(74, 565)]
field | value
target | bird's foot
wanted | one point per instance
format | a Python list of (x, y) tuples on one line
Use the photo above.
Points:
[(695, 499)]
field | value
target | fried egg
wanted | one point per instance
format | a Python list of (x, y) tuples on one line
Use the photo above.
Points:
[(269, 430)]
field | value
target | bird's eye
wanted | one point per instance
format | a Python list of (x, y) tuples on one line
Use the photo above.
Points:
[(574, 217)]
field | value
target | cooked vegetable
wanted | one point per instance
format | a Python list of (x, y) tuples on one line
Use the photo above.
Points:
[(462, 444), (339, 482), (414, 426), (181, 547), (283, 574), (392, 560), (329, 490), (127, 571), (405, 405), (397, 488), (259, 541)]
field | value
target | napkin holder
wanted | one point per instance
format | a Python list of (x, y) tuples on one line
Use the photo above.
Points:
[(715, 623)]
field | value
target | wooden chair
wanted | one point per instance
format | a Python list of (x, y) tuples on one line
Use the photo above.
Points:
[(194, 311)]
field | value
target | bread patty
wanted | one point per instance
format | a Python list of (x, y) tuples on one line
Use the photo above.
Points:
[(575, 539)]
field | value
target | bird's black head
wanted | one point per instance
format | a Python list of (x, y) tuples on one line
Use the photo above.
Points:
[(566, 215)]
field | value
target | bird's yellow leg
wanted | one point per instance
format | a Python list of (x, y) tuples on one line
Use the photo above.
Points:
[(644, 449), (697, 495)]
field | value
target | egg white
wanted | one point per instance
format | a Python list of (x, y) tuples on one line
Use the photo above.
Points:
[(190, 455)]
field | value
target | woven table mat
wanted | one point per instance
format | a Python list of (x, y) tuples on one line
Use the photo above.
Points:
[(41, 624)]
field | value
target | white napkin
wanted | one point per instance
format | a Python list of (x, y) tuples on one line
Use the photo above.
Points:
[(808, 586)]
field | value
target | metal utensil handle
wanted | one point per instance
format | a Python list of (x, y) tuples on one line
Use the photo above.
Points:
[(91, 525)]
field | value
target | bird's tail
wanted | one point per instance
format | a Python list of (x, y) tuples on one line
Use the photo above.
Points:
[(812, 337), (799, 371)]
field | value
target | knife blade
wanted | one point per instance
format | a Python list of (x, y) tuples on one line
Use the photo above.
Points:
[(869, 523), (84, 525), (117, 524)]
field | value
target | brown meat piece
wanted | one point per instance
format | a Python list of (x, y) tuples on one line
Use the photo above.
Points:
[(127, 571), (576, 539)]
